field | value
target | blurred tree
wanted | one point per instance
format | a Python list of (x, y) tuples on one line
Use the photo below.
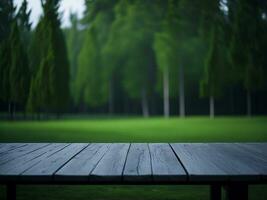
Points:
[(74, 38), (246, 52), (212, 82), (19, 76), (139, 70), (165, 47), (23, 20), (93, 77), (7, 17), (51, 41)]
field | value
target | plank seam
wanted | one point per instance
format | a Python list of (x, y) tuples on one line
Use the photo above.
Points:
[(47, 144), (187, 174), (21, 174), (98, 162), (13, 148), (150, 161), (54, 173), (125, 162)]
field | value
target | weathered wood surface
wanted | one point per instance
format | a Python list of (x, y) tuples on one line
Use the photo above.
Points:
[(17, 152), (165, 165), (133, 163), (45, 169), (219, 162), (83, 163), (110, 167), (138, 164)]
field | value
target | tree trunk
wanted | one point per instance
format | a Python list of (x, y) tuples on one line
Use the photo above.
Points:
[(212, 107), (9, 111), (24, 114), (248, 103), (145, 109), (12, 111), (111, 98), (166, 100), (181, 91)]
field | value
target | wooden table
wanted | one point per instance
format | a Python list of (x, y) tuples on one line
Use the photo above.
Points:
[(232, 166)]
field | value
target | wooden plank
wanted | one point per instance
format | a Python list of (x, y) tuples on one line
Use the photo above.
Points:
[(10, 146), (165, 165), (138, 164), (16, 153), (80, 166), (11, 170), (44, 170), (204, 162), (256, 159), (110, 167), (258, 149)]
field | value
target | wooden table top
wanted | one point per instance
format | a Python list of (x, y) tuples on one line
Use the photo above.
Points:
[(136, 163)]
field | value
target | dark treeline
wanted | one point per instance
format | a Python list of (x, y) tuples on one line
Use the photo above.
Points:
[(171, 57)]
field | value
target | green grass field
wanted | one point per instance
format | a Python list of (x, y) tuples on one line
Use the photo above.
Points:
[(194, 129)]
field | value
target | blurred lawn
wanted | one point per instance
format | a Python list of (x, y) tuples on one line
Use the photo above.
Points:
[(193, 129)]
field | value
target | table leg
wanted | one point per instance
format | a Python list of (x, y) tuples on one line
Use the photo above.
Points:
[(11, 191), (236, 191), (215, 192)]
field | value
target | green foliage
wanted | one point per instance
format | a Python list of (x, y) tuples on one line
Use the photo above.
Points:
[(212, 83), (7, 18), (95, 69), (74, 38), (90, 72), (23, 20), (137, 37), (50, 65), (7, 14), (19, 70), (245, 53), (215, 63), (121, 48), (5, 62)]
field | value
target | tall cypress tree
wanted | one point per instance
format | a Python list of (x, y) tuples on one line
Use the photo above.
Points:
[(23, 19), (7, 17), (19, 70), (74, 37), (49, 43)]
